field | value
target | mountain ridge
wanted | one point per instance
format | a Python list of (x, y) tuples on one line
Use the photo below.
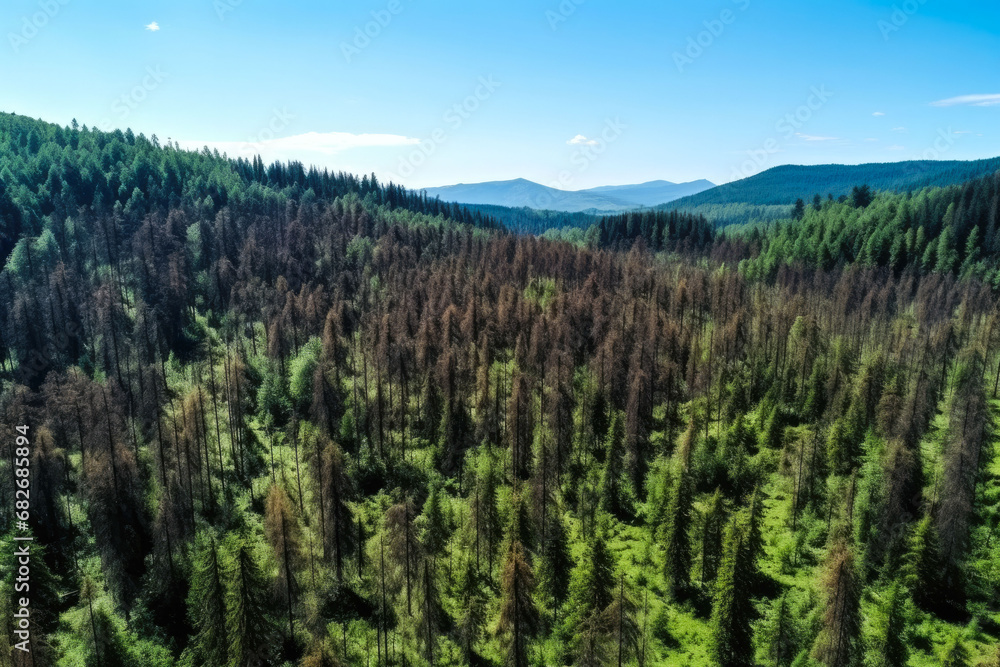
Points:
[(521, 192)]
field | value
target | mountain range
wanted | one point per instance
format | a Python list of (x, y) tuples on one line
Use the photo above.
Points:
[(769, 194), (530, 207), (520, 193)]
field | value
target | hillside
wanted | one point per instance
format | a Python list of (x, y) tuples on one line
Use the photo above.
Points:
[(765, 196), (282, 418), (521, 193)]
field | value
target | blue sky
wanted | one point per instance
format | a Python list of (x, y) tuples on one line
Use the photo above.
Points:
[(569, 93)]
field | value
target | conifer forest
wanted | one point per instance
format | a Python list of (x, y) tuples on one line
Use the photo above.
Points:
[(273, 415)]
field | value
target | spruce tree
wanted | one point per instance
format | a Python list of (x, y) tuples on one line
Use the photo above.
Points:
[(519, 619), (676, 538), (207, 606), (887, 641), (779, 632), (248, 621), (732, 608)]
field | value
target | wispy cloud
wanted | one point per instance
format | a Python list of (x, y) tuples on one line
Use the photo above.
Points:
[(969, 100), (580, 140), (897, 147), (879, 113), (872, 139), (810, 137), (899, 129), (152, 27), (324, 143)]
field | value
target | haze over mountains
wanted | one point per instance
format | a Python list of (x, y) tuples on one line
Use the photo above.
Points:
[(527, 206), (519, 193)]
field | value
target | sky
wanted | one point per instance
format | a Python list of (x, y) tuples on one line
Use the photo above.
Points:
[(568, 93)]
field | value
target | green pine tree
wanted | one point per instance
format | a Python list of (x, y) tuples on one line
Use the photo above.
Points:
[(676, 535), (207, 607), (251, 630), (886, 643), (732, 608)]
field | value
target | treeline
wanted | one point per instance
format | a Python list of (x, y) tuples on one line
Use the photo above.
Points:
[(946, 230), (659, 230), (781, 185), (534, 221), (49, 170), (325, 431)]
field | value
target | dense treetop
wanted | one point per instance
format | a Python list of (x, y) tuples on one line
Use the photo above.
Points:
[(284, 417)]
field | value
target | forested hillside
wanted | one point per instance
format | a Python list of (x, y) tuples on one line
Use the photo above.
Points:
[(46, 169), (766, 196), (534, 221), (289, 418)]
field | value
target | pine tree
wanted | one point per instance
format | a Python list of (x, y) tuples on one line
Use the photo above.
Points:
[(556, 562), (713, 527), (207, 607), (837, 644), (799, 210), (281, 526), (887, 643), (779, 632), (955, 653), (436, 530), (620, 617), (732, 609), (592, 584), (922, 564), (250, 629), (472, 608), (614, 499), (676, 538), (519, 619)]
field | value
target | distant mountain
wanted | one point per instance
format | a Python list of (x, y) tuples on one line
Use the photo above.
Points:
[(522, 193), (767, 195), (653, 193)]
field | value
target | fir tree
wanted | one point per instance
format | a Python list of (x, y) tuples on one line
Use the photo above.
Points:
[(251, 631)]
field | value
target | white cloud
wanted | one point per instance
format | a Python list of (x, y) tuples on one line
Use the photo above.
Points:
[(969, 100), (580, 140), (324, 143), (899, 129), (896, 148), (810, 137), (871, 139), (879, 113), (153, 27)]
